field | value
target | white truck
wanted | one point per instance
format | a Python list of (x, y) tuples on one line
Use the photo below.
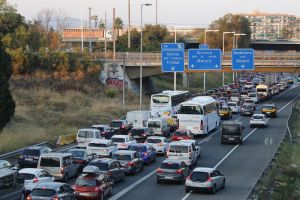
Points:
[(102, 147), (138, 118), (159, 126)]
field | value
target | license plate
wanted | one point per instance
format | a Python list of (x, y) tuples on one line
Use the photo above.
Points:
[(247, 112), (197, 184), (168, 177), (230, 139)]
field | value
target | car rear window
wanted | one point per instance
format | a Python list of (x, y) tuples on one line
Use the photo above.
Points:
[(43, 192), (232, 104), (50, 162), (153, 141), (122, 157), (268, 107), (118, 139), (257, 117), (86, 134), (231, 128), (97, 145), (199, 176), (169, 166), (101, 166), (77, 154), (31, 152), (179, 149), (137, 148), (137, 131), (84, 182), (115, 124), (180, 133), (27, 176)]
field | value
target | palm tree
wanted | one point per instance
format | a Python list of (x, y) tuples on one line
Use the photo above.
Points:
[(118, 24)]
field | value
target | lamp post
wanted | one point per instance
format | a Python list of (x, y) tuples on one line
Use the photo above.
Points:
[(141, 55), (235, 38), (129, 37), (223, 75), (81, 26), (204, 74), (156, 12)]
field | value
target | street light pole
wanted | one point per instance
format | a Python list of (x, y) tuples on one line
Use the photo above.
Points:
[(175, 74), (156, 13), (129, 36), (223, 74), (141, 55), (81, 26)]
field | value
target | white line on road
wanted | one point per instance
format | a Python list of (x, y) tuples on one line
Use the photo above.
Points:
[(186, 196), (288, 103)]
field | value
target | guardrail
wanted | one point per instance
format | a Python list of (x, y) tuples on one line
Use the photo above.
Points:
[(19, 151), (274, 157)]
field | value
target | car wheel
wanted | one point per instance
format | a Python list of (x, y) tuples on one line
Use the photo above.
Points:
[(123, 177), (187, 190), (110, 191), (158, 181), (251, 126), (214, 189), (66, 178), (102, 196), (223, 184)]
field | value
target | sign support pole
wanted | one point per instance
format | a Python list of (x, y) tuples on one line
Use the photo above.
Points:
[(175, 76), (223, 78), (204, 82)]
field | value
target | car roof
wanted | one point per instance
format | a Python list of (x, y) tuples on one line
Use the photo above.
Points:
[(258, 115), (139, 127), (203, 169), (124, 152), (120, 136), (172, 161), (102, 160), (156, 137), (31, 170), (232, 122), (87, 129), (56, 154), (49, 185), (101, 141), (6, 171), (188, 141), (180, 143), (140, 145)]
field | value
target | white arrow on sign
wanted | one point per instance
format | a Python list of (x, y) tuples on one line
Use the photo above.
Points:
[(192, 65), (243, 66), (172, 68), (216, 66)]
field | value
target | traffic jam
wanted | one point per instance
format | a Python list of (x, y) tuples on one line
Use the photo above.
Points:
[(105, 154)]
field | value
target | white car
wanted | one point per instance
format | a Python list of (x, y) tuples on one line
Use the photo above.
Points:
[(32, 177), (234, 106), (123, 141), (102, 147), (197, 146), (160, 144), (258, 120)]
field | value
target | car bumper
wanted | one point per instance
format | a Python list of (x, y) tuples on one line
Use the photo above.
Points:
[(199, 189), (169, 177), (87, 195), (271, 114)]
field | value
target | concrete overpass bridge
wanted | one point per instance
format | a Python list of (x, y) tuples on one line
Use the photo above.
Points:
[(265, 61)]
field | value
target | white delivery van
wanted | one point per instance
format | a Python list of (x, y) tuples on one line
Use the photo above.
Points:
[(183, 151), (159, 126), (84, 136), (138, 118)]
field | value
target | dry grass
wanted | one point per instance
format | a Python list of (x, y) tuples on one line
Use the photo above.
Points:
[(49, 107)]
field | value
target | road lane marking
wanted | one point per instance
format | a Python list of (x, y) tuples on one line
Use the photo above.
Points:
[(288, 103), (186, 196)]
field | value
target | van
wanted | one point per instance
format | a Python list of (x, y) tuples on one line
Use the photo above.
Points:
[(183, 151), (253, 96), (11, 185), (232, 132), (138, 118), (84, 136), (59, 165), (159, 126)]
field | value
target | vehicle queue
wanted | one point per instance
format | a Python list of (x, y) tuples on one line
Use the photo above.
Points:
[(106, 154)]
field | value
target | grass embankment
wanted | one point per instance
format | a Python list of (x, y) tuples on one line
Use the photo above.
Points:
[(283, 179), (49, 107), (213, 80)]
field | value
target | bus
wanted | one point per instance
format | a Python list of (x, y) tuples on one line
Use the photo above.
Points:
[(167, 101), (200, 115), (262, 90)]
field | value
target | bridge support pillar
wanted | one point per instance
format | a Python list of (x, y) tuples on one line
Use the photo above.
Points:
[(185, 80)]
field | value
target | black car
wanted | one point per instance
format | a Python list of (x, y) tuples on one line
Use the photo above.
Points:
[(120, 126), (111, 168), (11, 185), (82, 157), (30, 156), (172, 171), (247, 109), (140, 134)]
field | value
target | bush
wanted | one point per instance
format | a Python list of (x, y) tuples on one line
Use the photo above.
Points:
[(111, 93)]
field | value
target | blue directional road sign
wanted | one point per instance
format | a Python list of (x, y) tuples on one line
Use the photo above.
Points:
[(172, 46), (203, 46), (205, 59), (172, 60), (242, 59)]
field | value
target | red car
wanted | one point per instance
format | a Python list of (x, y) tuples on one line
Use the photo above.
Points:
[(91, 184), (182, 135)]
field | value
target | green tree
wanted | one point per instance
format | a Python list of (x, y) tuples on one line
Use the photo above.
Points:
[(118, 24)]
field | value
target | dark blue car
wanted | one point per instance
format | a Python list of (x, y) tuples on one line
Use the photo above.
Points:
[(146, 151)]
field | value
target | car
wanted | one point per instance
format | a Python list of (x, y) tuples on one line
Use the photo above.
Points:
[(183, 151), (11, 185), (123, 141), (140, 134), (146, 151), (160, 144), (51, 191), (92, 185), (33, 177), (270, 110), (234, 106), (85, 135), (172, 171), (182, 135), (251, 102), (30, 155), (105, 131), (102, 147), (109, 167), (225, 112), (259, 120), (243, 80), (82, 157), (205, 179), (130, 160), (232, 132), (6, 164), (120, 126), (195, 145), (247, 109)]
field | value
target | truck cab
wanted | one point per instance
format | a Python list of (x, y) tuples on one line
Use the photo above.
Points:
[(232, 132)]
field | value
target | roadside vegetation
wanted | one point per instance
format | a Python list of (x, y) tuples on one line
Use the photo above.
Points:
[(283, 179)]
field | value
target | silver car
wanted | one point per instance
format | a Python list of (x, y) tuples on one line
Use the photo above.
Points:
[(52, 190), (205, 179)]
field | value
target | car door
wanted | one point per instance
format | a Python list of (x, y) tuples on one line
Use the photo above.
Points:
[(120, 170), (138, 160), (112, 169), (218, 178), (185, 169)]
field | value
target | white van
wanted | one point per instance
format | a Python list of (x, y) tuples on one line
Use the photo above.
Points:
[(183, 151), (138, 118), (159, 126), (253, 96), (84, 136)]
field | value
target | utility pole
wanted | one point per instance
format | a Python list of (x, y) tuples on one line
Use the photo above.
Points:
[(90, 29), (129, 36), (105, 37), (156, 13), (114, 39)]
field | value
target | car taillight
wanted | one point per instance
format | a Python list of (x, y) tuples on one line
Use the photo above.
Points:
[(144, 134), (179, 171), (98, 188), (159, 170), (146, 154), (209, 179), (55, 198), (188, 178), (201, 125), (29, 198), (21, 157), (35, 180), (130, 164), (62, 170), (122, 126)]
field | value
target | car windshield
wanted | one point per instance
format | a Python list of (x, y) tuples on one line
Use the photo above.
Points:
[(257, 117), (231, 104), (121, 140), (199, 176), (42, 192), (137, 131), (121, 157), (85, 134), (27, 176), (178, 149), (31, 152), (101, 166), (98, 145), (180, 133), (160, 99), (231, 129), (77, 154), (154, 124), (169, 166), (268, 107), (153, 141), (195, 110), (115, 124), (247, 107), (261, 90), (84, 182), (50, 162), (138, 148)]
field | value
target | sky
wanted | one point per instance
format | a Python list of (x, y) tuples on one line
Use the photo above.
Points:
[(197, 13)]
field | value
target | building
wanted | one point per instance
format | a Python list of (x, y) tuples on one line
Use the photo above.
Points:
[(273, 25)]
